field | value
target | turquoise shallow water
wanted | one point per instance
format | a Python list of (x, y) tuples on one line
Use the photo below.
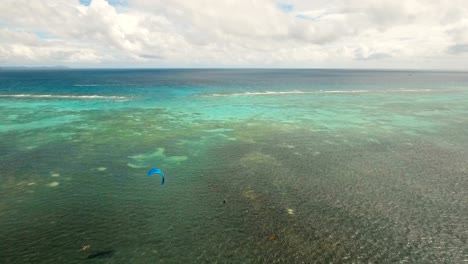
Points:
[(262, 166)]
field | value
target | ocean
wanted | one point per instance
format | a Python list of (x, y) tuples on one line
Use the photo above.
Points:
[(262, 166)]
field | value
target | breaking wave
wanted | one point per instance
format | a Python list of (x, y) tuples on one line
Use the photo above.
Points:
[(319, 92), (54, 96)]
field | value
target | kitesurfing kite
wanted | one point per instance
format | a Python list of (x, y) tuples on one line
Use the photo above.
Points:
[(158, 171)]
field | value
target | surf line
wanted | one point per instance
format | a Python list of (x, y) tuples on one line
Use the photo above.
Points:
[(51, 96)]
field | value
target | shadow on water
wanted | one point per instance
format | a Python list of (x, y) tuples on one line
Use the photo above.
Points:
[(101, 254)]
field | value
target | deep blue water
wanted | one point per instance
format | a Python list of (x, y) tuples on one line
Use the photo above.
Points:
[(132, 81)]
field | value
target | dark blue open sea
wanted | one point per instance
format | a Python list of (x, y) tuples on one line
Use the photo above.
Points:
[(262, 166)]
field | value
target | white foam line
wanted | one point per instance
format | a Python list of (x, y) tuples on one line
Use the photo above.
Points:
[(412, 91), (51, 96), (262, 93), (343, 91), (321, 92)]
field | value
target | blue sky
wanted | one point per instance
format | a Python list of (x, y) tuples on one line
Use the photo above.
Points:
[(286, 7), (111, 2), (85, 2), (417, 34)]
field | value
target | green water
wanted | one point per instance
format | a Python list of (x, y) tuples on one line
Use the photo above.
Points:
[(287, 178)]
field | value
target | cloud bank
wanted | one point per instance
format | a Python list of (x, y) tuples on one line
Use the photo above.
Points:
[(229, 33)]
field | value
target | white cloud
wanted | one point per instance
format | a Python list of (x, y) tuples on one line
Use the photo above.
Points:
[(341, 33)]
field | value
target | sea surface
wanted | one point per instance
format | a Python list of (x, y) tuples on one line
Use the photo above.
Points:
[(262, 166)]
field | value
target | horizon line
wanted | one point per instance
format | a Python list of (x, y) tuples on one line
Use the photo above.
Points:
[(58, 68)]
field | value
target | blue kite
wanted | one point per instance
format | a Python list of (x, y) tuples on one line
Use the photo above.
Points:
[(158, 171)]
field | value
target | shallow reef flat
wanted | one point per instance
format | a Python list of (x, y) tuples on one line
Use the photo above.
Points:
[(252, 176)]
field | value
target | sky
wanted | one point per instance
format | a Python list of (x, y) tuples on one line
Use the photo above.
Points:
[(385, 34)]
